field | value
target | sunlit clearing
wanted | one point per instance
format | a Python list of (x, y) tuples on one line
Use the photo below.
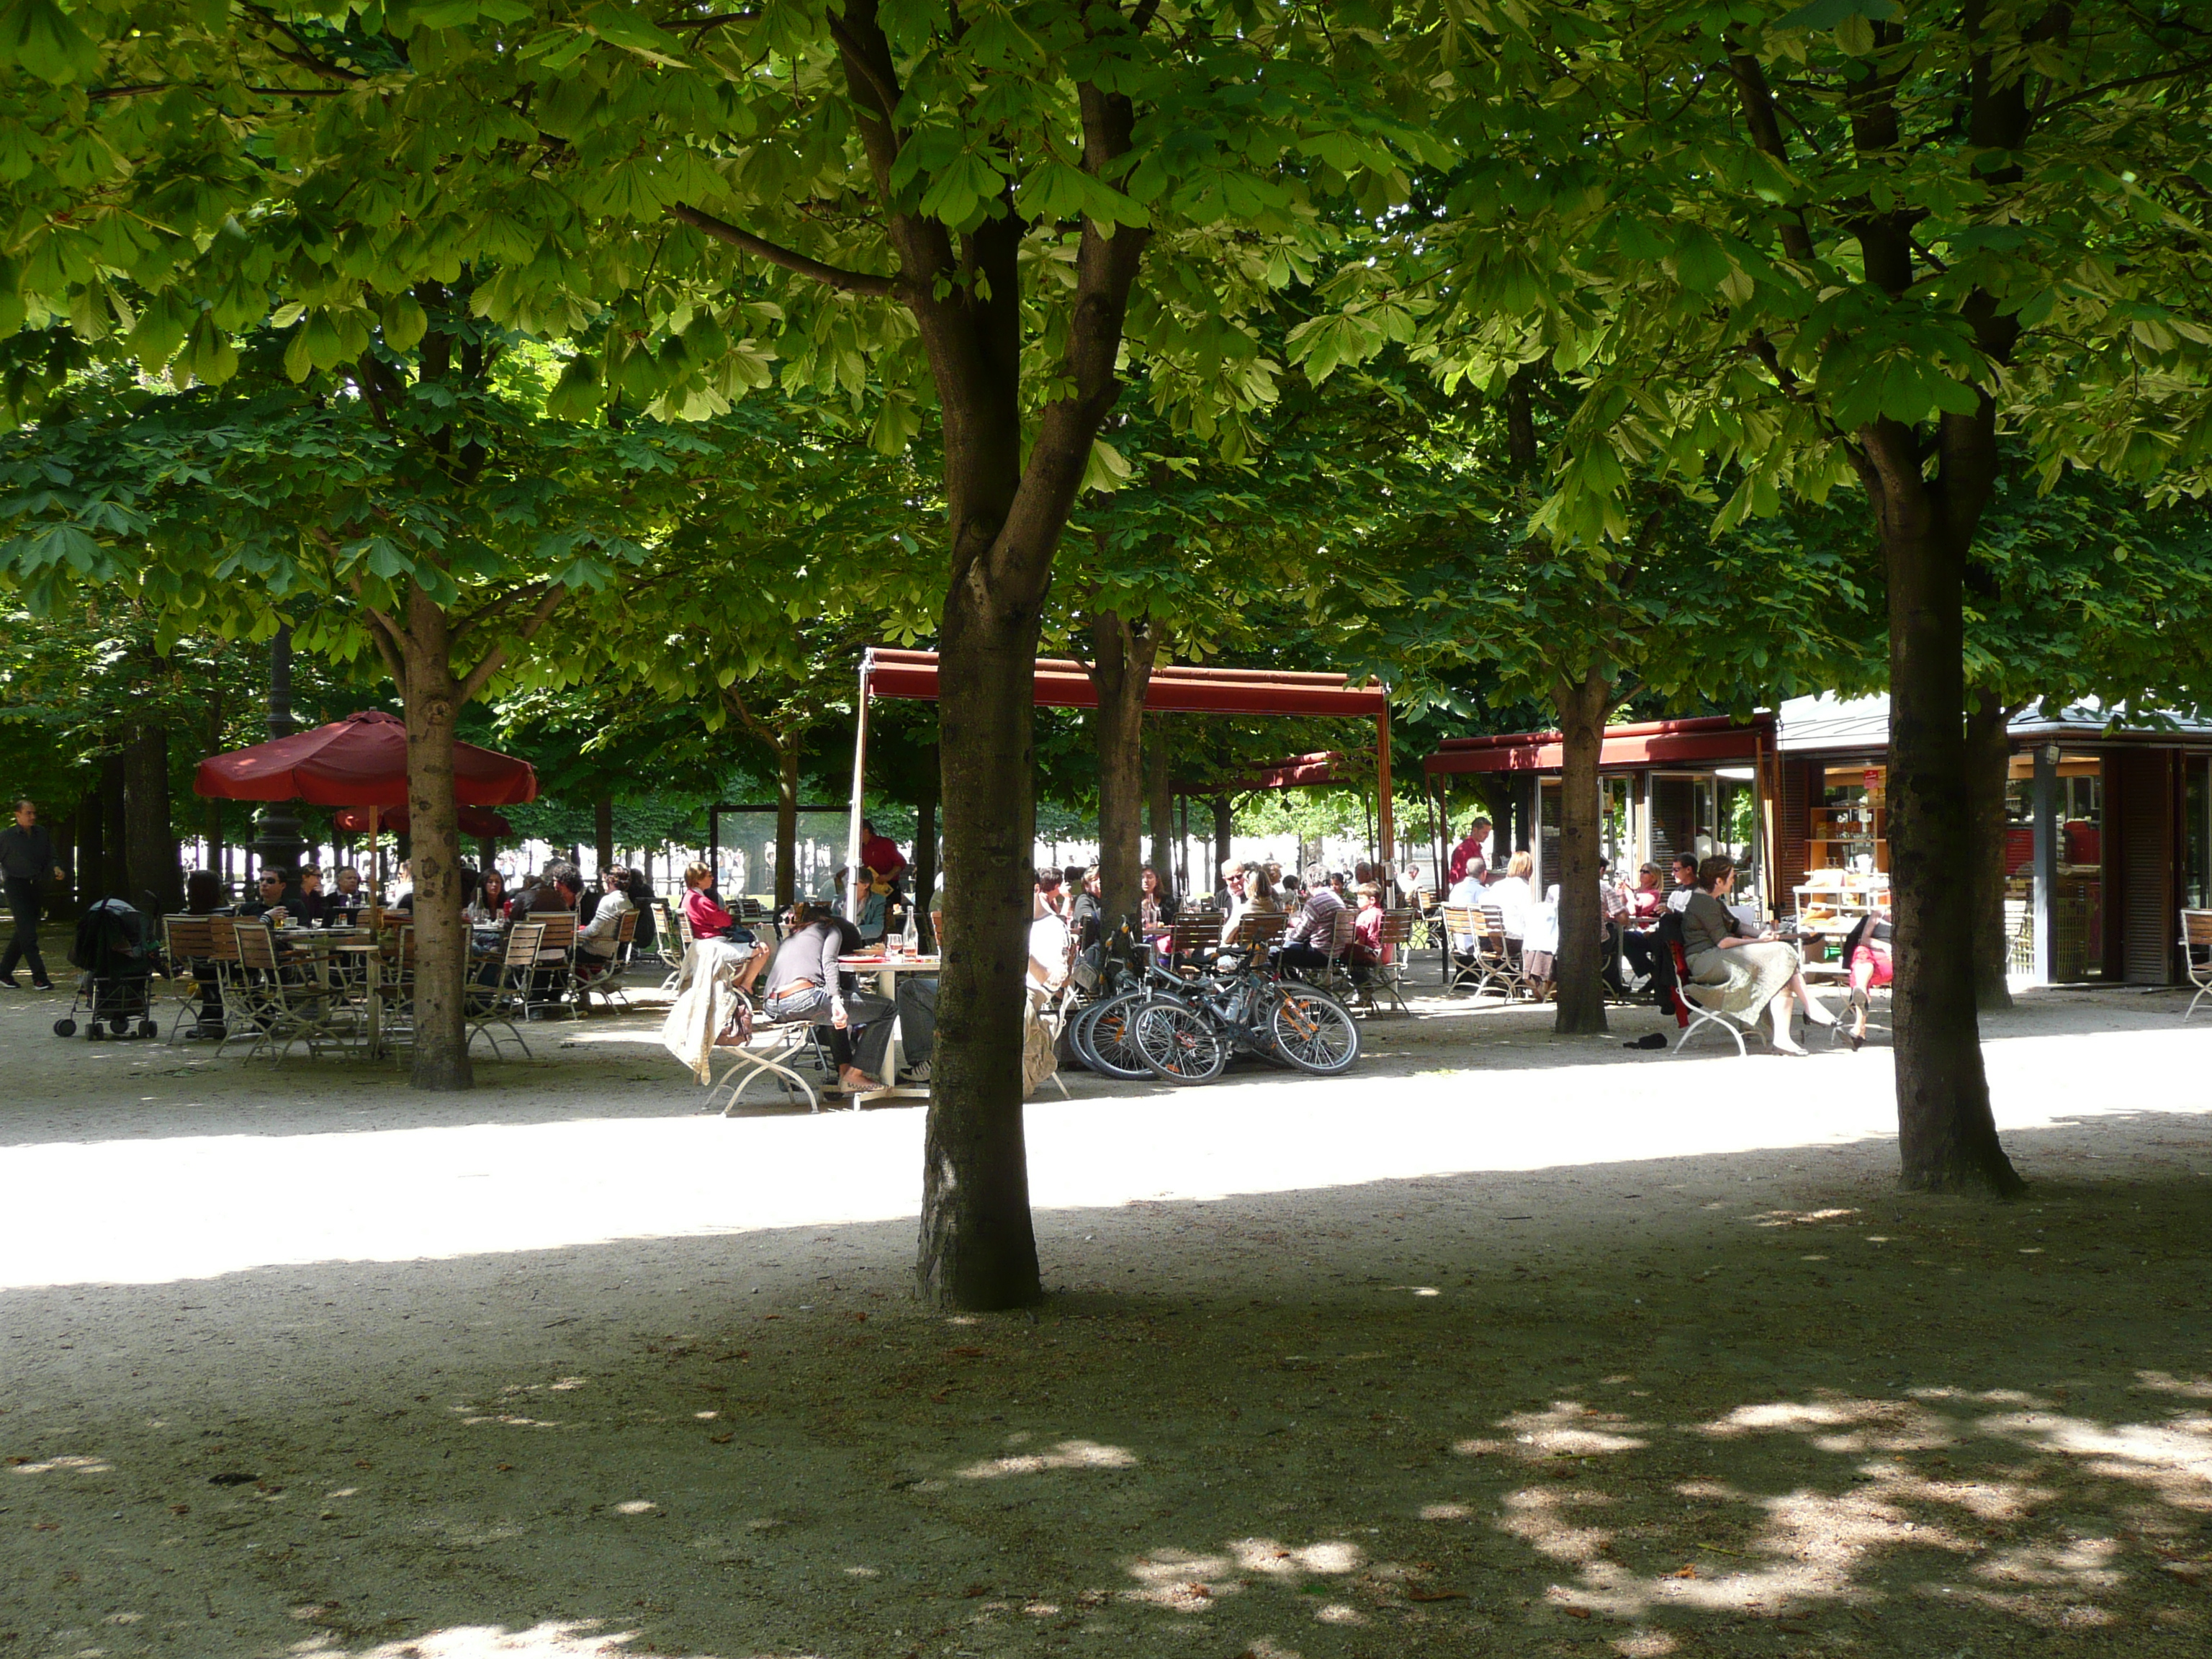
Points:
[(57, 1465), (574, 1639), (1570, 1428), (358, 1188), (636, 1506), (1068, 1455)]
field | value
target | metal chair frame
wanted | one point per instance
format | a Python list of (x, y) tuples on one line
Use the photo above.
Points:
[(1500, 954), (607, 982), (557, 966), (188, 942), (1388, 974), (783, 1040), (2196, 955), (1700, 1014), (284, 1008), (498, 1003), (1463, 966)]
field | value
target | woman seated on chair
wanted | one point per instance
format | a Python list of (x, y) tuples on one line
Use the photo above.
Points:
[(1758, 971), (487, 908), (804, 983), (1255, 896), (1868, 953), (709, 920), (597, 944), (1510, 895), (1158, 909)]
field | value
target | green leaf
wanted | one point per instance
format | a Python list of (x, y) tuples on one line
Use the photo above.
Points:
[(39, 35)]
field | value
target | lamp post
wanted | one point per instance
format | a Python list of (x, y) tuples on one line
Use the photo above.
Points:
[(279, 845)]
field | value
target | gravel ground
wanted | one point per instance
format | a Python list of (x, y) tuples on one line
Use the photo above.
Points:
[(1501, 1346)]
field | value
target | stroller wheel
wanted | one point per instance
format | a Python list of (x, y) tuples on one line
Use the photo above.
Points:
[(148, 1028), (92, 1032), (120, 1024), (64, 1028)]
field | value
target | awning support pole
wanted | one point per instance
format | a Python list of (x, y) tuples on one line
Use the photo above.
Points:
[(859, 783), (1385, 828)]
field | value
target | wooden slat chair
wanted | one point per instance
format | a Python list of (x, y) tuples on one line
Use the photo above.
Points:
[(1500, 953), (499, 1002), (1463, 930), (677, 934), (188, 942), (395, 989), (231, 983), (551, 985), (1389, 973), (286, 1005), (598, 976), (1256, 934), (1198, 936), (2197, 955)]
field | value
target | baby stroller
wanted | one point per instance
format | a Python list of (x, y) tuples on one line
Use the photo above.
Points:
[(118, 963)]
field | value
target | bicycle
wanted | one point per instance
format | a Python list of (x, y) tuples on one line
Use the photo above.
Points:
[(1242, 1008)]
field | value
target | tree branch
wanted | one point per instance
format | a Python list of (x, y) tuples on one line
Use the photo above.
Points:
[(495, 658), (1757, 99), (850, 282), (303, 58)]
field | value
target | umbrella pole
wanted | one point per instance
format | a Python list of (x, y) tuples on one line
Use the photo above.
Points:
[(376, 842), (852, 893)]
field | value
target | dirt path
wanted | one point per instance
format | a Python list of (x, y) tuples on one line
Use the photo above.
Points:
[(1505, 1347)]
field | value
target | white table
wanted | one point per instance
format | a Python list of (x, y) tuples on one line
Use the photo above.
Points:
[(887, 969)]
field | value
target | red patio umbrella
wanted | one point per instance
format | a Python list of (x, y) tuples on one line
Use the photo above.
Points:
[(360, 760), (475, 821)]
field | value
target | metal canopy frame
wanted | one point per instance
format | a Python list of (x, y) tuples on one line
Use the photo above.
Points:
[(1173, 688)]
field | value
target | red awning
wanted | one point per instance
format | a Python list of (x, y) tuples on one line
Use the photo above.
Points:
[(1709, 740), (1299, 772), (1061, 684), (475, 821), (360, 760)]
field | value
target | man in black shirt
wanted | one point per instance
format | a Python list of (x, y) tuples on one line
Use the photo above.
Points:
[(27, 859)]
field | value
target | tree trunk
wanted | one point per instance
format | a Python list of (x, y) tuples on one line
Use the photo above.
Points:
[(1947, 1137), (114, 830), (1582, 705), (1224, 826), (787, 824), (1121, 670), (603, 832), (1159, 790), (214, 747), (1989, 765), (89, 868), (433, 703), (978, 1250), (155, 882), (925, 851)]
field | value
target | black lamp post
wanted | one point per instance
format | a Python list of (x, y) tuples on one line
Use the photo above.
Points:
[(280, 844)]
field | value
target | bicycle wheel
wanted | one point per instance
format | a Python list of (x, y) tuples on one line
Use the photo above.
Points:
[(1179, 1043), (1104, 1036), (1315, 1033)]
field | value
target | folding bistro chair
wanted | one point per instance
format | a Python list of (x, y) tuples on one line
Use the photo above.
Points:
[(770, 1048), (1498, 954), (501, 1001), (603, 976), (1463, 961), (551, 985), (1387, 974), (1691, 1012), (676, 935), (284, 1005), (2197, 955), (188, 942)]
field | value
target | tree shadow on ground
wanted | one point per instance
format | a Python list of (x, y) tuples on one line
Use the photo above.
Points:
[(1715, 1405)]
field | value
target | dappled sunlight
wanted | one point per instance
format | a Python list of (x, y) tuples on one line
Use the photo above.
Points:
[(65, 1464), (1569, 1429), (1807, 1546), (554, 1639), (1068, 1455)]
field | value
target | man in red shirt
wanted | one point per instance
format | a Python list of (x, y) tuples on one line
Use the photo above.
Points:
[(881, 853), (1468, 855)]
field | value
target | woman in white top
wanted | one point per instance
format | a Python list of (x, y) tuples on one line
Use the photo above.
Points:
[(598, 938), (1512, 896)]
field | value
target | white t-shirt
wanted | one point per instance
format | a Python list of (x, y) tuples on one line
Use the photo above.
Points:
[(1049, 939), (1512, 896)]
